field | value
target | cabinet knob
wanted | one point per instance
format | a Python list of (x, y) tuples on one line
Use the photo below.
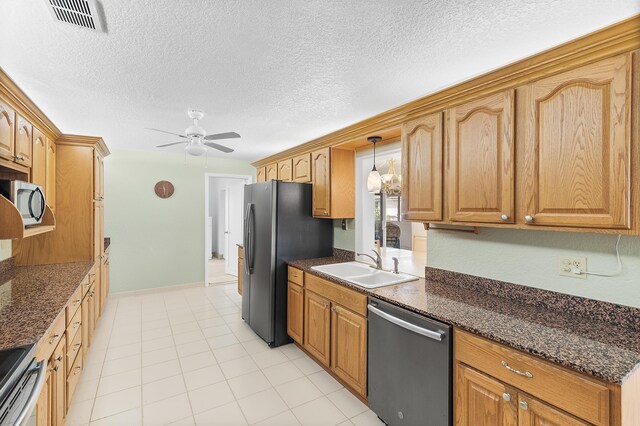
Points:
[(53, 338), (59, 358), (504, 217), (524, 405), (506, 397), (326, 305), (528, 218)]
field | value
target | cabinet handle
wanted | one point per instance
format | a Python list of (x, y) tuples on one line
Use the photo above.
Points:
[(528, 218), (326, 305), (53, 338), (76, 346), (524, 405), (77, 302), (513, 370), (506, 397), (55, 367), (77, 324), (76, 370), (333, 309), (59, 358), (504, 217)]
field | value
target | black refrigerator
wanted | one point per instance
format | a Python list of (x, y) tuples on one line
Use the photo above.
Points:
[(278, 227)]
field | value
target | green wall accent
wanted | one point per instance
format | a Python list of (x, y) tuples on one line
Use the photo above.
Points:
[(158, 242), (344, 239), (532, 258)]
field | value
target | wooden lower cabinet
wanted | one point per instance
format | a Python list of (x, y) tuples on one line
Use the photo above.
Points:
[(329, 322), (65, 362), (295, 312), (349, 347), (481, 400), (317, 326), (532, 412)]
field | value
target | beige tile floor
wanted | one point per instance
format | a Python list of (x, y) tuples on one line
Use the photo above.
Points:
[(185, 357), (216, 272)]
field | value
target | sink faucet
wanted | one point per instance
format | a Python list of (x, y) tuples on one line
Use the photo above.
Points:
[(395, 265), (377, 259)]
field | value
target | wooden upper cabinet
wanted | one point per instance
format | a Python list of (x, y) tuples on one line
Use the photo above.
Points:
[(422, 168), (98, 176), (333, 176), (576, 128), (7, 131), (39, 161), (284, 170), (302, 168), (480, 160), (24, 139), (483, 401), (320, 166), (532, 412), (261, 175), (271, 172), (50, 179)]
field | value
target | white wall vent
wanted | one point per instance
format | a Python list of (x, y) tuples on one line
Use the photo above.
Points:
[(80, 13)]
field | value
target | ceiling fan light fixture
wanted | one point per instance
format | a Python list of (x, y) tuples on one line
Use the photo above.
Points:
[(196, 149), (196, 131)]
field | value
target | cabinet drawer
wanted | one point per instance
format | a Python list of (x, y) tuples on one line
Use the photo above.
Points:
[(73, 349), (51, 338), (86, 283), (74, 377), (296, 275), (572, 392), (74, 326), (350, 299), (74, 303)]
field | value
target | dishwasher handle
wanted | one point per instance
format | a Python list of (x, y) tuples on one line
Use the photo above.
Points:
[(435, 335)]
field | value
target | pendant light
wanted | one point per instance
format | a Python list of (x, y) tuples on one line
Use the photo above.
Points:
[(374, 180)]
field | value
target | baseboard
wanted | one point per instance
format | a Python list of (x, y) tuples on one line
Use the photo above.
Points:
[(157, 289)]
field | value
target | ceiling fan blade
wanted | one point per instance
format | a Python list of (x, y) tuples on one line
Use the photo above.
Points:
[(169, 144), (228, 135), (218, 147), (164, 131)]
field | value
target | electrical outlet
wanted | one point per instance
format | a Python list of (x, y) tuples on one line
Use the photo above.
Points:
[(569, 263)]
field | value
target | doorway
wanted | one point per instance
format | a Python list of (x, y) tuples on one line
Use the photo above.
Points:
[(223, 226)]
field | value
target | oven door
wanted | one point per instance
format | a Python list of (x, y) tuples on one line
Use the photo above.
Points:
[(17, 407), (30, 202)]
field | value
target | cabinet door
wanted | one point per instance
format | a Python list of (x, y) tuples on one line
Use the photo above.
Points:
[(39, 161), (91, 313), (295, 312), (104, 283), (59, 381), (50, 179), (85, 324), (317, 328), (98, 230), (284, 170), (481, 160), (422, 168), (43, 405), (482, 401), (532, 412), (271, 172), (321, 173), (7, 131), (577, 135), (261, 174), (349, 347), (97, 176), (24, 139), (302, 168)]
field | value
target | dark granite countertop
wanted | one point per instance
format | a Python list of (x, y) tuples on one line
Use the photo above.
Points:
[(31, 297), (590, 345)]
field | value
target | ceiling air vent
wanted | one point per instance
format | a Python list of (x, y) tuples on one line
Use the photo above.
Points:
[(80, 13)]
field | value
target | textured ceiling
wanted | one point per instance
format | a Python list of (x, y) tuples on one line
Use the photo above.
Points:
[(279, 72)]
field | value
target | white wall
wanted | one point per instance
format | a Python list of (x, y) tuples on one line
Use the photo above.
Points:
[(532, 258), (5, 249), (156, 242)]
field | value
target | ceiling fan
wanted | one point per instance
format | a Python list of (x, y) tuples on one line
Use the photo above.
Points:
[(196, 137)]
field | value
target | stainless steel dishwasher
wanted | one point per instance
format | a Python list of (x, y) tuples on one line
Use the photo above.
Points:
[(409, 367)]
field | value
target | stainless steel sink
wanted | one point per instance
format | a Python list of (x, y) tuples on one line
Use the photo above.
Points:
[(363, 275)]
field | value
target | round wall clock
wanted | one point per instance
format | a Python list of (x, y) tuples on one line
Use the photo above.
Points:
[(164, 189)]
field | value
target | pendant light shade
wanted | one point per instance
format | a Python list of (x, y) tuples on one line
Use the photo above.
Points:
[(374, 180)]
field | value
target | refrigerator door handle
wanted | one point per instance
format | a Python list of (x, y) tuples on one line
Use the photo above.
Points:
[(245, 241), (251, 238)]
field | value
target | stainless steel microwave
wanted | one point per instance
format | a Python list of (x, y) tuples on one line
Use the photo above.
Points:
[(27, 197)]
